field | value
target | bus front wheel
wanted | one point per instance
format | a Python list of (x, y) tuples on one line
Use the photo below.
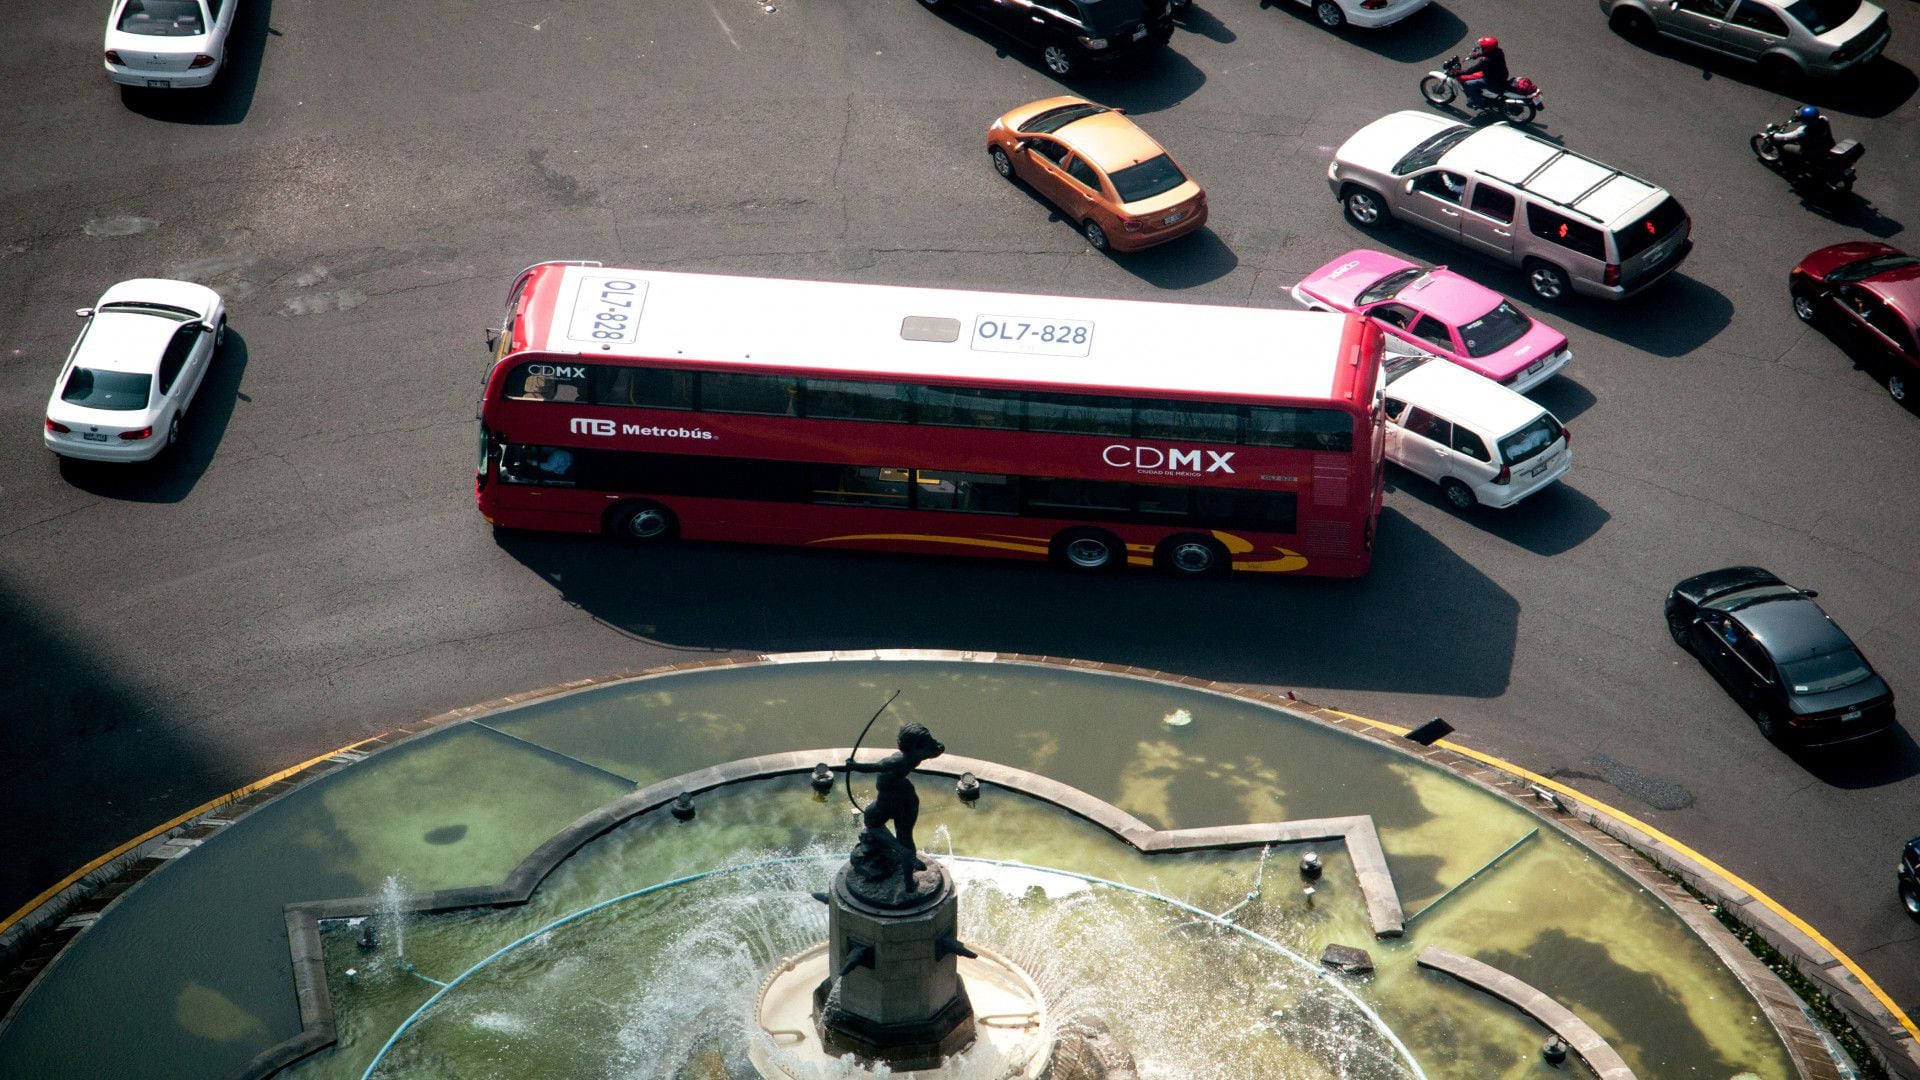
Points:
[(643, 523), (1194, 556), (1089, 550)]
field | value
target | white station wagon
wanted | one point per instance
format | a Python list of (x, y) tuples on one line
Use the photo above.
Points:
[(140, 358), (1482, 443)]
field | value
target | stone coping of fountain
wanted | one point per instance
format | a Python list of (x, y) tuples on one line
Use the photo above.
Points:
[(318, 1029), (1558, 1019), (33, 940)]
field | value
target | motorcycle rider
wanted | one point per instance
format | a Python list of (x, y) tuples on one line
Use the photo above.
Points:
[(1484, 76), (1803, 145)]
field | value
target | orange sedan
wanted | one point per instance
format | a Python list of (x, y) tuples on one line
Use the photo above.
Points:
[(1122, 189)]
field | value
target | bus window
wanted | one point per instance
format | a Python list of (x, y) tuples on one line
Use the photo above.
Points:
[(766, 395), (1052, 497), (860, 485), (648, 388), (965, 406), (972, 493), (550, 465), (839, 399), (1187, 421), (1080, 414), (542, 381)]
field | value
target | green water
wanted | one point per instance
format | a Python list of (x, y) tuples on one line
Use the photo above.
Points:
[(195, 974)]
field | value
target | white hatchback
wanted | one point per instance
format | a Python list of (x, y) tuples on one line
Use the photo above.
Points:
[(1481, 442), (168, 44), (140, 358)]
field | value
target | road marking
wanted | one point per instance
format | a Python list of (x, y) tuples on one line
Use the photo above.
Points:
[(54, 890), (1715, 868), (724, 28)]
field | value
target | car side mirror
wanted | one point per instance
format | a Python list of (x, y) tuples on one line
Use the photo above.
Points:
[(492, 336), (1409, 187), (207, 327), (1020, 144), (1808, 593), (85, 312)]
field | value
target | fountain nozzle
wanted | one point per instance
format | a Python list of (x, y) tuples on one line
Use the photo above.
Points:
[(822, 779), (967, 787), (858, 956), (366, 939), (1555, 1050), (682, 808), (1310, 866)]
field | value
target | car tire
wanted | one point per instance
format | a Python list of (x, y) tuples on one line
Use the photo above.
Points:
[(173, 433), (220, 334), (1677, 627), (1328, 14), (1547, 282), (1807, 310), (1192, 555), (1096, 236), (1365, 208), (1632, 24), (1768, 727), (1780, 73), (1897, 388), (643, 522), (1002, 164), (1059, 60), (1910, 899), (1459, 496), (1089, 551)]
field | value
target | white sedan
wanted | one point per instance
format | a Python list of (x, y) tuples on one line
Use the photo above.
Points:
[(1371, 14), (169, 44), (128, 381)]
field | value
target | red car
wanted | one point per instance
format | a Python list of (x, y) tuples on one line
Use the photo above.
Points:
[(1867, 294)]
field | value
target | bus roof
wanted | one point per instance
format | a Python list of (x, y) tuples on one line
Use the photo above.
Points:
[(911, 333)]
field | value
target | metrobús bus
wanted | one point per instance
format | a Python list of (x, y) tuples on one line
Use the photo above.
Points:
[(651, 405)]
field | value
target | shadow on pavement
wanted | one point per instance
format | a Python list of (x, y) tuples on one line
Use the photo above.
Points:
[(1427, 34), (1549, 522), (1870, 763), (230, 97), (1291, 631), (1563, 397), (171, 476), (1195, 20), (1877, 89), (1194, 259)]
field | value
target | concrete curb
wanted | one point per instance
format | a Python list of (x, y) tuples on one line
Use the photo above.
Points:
[(1586, 1042)]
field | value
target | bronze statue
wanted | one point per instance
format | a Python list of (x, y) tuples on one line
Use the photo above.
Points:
[(886, 864)]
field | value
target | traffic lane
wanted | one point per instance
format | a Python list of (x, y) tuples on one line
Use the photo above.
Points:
[(337, 179)]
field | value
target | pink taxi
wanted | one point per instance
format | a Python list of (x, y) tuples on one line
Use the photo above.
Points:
[(1431, 309)]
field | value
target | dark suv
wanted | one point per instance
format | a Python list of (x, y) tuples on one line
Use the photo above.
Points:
[(1074, 33)]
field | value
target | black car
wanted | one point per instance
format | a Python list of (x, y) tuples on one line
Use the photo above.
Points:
[(1073, 33), (1910, 878), (1799, 676)]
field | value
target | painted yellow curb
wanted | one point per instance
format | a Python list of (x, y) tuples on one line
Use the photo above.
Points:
[(1713, 867), (231, 796)]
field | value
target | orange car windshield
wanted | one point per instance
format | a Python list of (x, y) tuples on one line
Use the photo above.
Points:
[(1054, 119), (1154, 176)]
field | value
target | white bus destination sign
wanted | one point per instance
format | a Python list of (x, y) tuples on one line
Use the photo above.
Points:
[(606, 310), (1032, 334)]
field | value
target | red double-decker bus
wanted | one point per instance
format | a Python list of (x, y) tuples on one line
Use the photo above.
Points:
[(651, 405)]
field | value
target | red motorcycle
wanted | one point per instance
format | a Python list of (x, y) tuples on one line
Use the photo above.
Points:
[(1520, 103)]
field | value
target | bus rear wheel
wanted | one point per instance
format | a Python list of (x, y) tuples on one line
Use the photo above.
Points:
[(643, 523), (1090, 551), (1194, 556)]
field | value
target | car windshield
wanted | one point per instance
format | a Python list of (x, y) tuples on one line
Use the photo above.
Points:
[(1866, 268), (1746, 598), (1820, 16), (1106, 16), (1495, 330), (1397, 366), (1054, 119), (1828, 671), (1530, 440), (161, 18), (1154, 176), (1429, 153), (1389, 287), (120, 391), (164, 311), (1650, 230)]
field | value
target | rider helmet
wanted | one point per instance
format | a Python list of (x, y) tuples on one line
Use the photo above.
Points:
[(1808, 112), (1489, 42)]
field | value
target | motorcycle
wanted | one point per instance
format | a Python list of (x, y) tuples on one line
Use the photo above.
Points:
[(1519, 103), (1830, 174)]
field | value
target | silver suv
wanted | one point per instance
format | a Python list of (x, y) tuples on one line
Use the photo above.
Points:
[(1571, 223), (1787, 38)]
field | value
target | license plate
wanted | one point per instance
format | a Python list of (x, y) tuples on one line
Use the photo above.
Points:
[(1535, 366), (91, 437), (1875, 51), (1658, 255), (160, 84), (1850, 714), (1174, 218), (1139, 32)]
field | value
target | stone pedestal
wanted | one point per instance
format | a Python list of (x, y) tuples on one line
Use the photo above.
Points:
[(906, 1005)]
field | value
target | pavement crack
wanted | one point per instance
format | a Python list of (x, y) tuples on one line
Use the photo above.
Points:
[(88, 505)]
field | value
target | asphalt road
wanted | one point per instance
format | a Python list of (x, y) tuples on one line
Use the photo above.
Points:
[(310, 569)]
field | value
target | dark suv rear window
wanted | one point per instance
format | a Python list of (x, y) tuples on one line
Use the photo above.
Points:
[(1651, 229)]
